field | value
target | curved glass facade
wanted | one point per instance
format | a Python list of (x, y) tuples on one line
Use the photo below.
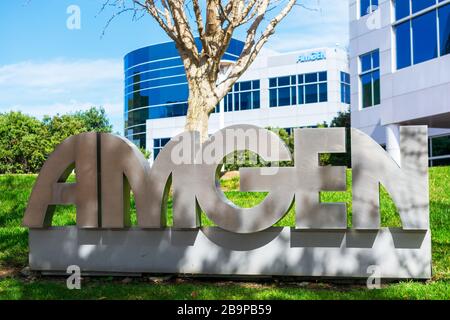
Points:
[(156, 86)]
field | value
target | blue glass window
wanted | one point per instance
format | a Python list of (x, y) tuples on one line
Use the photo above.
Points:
[(345, 77), (155, 86), (167, 50), (345, 87), (136, 130), (235, 47), (273, 82), (159, 144), (284, 81), (148, 75), (418, 5), (136, 117), (246, 85), (375, 59), (228, 103), (311, 77), (370, 78), (366, 62), (245, 100), (282, 91), (367, 6), (273, 98), (155, 83), (301, 94), (158, 65), (424, 37), (312, 88), (323, 92), (444, 28), (256, 99), (284, 96), (150, 53), (366, 81), (311, 93), (167, 111), (403, 43), (139, 139), (439, 146), (236, 101), (245, 95), (402, 9), (376, 87), (294, 95), (323, 76), (157, 96)]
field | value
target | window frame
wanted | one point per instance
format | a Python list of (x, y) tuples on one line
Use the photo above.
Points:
[(316, 83), (230, 98), (298, 82), (370, 72), (293, 84), (431, 157), (409, 19), (345, 87), (158, 146), (371, 5)]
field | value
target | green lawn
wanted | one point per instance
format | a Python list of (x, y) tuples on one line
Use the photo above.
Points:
[(15, 190)]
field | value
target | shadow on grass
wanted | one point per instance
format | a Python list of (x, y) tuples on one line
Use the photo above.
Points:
[(107, 288)]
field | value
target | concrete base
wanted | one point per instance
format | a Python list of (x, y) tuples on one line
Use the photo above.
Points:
[(212, 251)]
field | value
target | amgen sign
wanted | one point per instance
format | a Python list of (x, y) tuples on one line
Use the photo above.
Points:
[(314, 56), (243, 240)]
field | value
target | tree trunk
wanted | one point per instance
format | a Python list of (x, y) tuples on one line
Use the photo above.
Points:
[(197, 119), (201, 103)]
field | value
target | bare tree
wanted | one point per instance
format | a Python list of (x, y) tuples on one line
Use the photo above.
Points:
[(181, 19)]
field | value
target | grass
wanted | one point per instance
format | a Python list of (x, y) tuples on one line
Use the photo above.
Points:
[(12, 288), (15, 191)]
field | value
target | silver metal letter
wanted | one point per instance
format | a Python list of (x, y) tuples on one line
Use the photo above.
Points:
[(312, 179), (175, 165), (408, 185), (306, 179), (212, 199), (123, 168), (50, 189)]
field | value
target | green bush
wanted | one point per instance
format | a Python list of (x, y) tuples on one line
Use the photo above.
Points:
[(26, 142)]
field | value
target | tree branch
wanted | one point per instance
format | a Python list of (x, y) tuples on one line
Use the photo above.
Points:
[(252, 48)]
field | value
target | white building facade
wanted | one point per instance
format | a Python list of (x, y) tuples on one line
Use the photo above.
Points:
[(279, 90), (400, 71)]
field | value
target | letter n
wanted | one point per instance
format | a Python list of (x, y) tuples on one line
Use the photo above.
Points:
[(407, 185)]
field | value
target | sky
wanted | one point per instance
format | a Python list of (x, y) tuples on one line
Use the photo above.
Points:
[(49, 64)]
